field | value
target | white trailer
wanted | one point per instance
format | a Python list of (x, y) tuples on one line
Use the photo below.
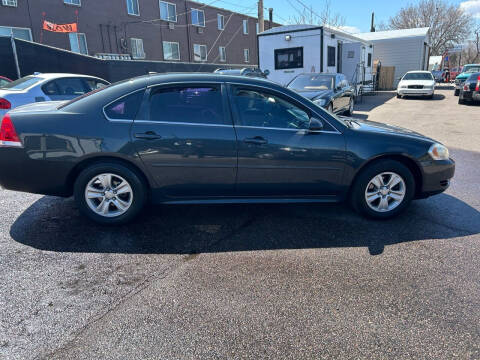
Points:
[(287, 51)]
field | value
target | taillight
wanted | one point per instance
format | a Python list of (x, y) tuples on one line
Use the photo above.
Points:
[(5, 104), (477, 88), (8, 134)]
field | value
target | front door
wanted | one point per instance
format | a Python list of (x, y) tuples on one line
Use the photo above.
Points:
[(187, 141), (277, 155)]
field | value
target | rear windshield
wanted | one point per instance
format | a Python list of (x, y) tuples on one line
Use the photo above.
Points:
[(418, 76), (22, 84), (474, 77)]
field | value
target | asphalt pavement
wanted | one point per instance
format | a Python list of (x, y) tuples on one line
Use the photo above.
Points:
[(254, 281)]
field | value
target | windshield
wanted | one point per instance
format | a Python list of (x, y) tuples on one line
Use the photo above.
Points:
[(22, 84), (471, 69), (418, 76), (312, 82)]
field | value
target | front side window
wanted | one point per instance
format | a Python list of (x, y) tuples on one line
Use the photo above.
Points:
[(78, 43), (171, 50), (18, 33), (94, 84), (9, 3), (245, 27), (187, 104), (331, 56), (65, 87), (199, 52), (132, 7), (261, 109), (125, 108), (289, 58), (221, 22), (198, 17), (72, 2), (137, 49), (168, 11)]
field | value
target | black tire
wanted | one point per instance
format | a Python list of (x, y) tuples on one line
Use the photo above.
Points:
[(461, 101), (456, 92), (399, 96), (357, 194), (136, 182), (349, 112)]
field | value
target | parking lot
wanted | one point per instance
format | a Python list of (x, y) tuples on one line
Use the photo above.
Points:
[(254, 281)]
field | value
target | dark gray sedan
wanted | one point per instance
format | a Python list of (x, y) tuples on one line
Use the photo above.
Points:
[(206, 138)]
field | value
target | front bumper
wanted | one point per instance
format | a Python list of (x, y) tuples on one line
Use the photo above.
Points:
[(437, 175), (415, 92)]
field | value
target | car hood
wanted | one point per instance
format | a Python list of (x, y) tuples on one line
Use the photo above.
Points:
[(39, 106), (376, 127), (464, 76), (313, 95)]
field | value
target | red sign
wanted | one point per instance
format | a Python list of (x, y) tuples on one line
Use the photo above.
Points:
[(61, 28)]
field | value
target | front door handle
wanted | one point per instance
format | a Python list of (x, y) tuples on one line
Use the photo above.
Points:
[(149, 135), (257, 140)]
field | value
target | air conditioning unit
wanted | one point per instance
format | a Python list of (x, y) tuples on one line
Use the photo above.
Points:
[(171, 25), (200, 30)]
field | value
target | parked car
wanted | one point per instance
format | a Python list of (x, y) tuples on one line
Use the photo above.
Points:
[(244, 72), (4, 81), (454, 72), (46, 87), (416, 83), (204, 138), (330, 91), (466, 72), (438, 75), (470, 92)]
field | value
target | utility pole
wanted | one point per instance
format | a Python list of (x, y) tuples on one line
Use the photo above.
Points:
[(261, 22), (270, 17), (372, 26)]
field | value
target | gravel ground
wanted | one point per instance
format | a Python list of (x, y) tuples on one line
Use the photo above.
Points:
[(249, 281)]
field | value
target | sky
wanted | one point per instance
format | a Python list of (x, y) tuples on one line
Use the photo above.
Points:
[(357, 13)]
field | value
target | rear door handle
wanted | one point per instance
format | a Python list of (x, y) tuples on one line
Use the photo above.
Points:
[(149, 135), (257, 140)]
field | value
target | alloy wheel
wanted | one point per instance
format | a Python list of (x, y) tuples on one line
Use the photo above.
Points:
[(108, 195), (385, 192)]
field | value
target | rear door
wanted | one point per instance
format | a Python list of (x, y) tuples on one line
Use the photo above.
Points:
[(185, 137)]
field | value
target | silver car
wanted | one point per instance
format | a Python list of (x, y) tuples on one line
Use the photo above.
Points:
[(46, 87)]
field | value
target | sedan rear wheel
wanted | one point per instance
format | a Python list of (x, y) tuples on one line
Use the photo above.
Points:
[(110, 193), (383, 189), (349, 112)]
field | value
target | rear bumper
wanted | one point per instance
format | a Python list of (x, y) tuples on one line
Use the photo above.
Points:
[(415, 92), (471, 95), (436, 177)]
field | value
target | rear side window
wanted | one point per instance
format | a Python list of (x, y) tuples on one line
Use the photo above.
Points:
[(23, 83), (65, 86), (125, 108), (188, 104)]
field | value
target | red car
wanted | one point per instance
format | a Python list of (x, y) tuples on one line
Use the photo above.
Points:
[(454, 72), (4, 81)]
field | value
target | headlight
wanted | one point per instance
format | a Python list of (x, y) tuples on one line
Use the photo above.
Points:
[(438, 152), (320, 102)]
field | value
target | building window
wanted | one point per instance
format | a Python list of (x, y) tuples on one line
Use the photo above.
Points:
[(369, 60), (257, 28), (171, 50), (168, 11), (78, 43), (245, 27), (223, 53), (73, 2), (9, 3), (198, 17), (17, 33), (289, 58), (132, 7), (137, 49), (199, 52), (221, 21), (331, 56), (246, 55)]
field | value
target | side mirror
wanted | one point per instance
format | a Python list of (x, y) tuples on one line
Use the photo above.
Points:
[(315, 125), (266, 72)]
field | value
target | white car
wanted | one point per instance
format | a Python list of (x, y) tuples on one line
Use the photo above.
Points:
[(46, 87), (416, 83)]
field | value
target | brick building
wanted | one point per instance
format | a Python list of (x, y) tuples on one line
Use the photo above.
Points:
[(174, 30)]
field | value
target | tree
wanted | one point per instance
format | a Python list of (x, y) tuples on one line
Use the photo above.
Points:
[(471, 51), (307, 15), (448, 24)]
